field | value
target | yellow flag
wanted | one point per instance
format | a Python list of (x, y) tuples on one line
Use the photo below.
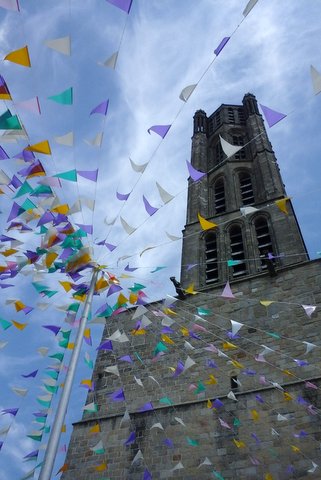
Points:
[(287, 372), (41, 147), (167, 339), (205, 224), (101, 284), (71, 346), (63, 429), (184, 331), (211, 381), (50, 258), (255, 416), (237, 364), (86, 382), (101, 467), (209, 403), (95, 428), (190, 289), (61, 209), (281, 204), (122, 299), (229, 346), (20, 56), (287, 396), (168, 311), (266, 303), (140, 331), (9, 252), (87, 333), (239, 444), (295, 449), (268, 476), (66, 285), (19, 326), (133, 298), (19, 305)]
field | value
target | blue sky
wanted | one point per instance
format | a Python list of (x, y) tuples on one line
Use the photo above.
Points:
[(165, 46)]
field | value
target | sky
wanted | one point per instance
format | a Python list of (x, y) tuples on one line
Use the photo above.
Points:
[(163, 47)]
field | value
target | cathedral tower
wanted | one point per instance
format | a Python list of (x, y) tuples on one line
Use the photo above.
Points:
[(249, 178)]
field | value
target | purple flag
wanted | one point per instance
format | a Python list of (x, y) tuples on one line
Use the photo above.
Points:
[(256, 438), (3, 155), (122, 4), (107, 345), (217, 403), (259, 398), (168, 442), (10, 411), (52, 328), (46, 218), (32, 454), (147, 407), (16, 210), (129, 269), (126, 358), (194, 174), (113, 289), (26, 155), (130, 439), (85, 228), (110, 246), (101, 108), (167, 330), (147, 475), (218, 49), (159, 129), (179, 368), (89, 174), (15, 182), (118, 396), (30, 375), (1, 445), (149, 209), (122, 196), (27, 310), (271, 116)]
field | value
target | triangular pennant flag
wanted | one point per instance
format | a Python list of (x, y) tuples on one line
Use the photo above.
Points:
[(194, 174), (21, 57), (178, 466), (227, 292), (41, 147), (247, 210), (309, 310), (205, 224), (206, 461), (232, 396), (64, 98), (32, 105), (161, 130), (71, 175), (124, 5), (128, 229), (102, 108), (310, 346), (236, 326), (249, 7), (97, 140), (111, 61), (271, 116), (187, 92), (61, 45), (316, 80), (165, 196), (148, 207), (67, 139), (138, 168), (138, 456), (228, 148), (10, 5), (281, 204), (112, 369), (220, 47)]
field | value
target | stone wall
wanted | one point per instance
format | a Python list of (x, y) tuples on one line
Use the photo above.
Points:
[(271, 395)]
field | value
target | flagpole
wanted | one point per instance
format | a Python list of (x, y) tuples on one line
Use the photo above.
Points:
[(52, 447)]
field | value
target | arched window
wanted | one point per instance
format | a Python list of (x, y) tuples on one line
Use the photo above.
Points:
[(264, 240), (246, 187), (219, 196), (237, 250), (211, 265)]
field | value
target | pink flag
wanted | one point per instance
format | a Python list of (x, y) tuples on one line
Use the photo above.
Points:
[(31, 105), (227, 292)]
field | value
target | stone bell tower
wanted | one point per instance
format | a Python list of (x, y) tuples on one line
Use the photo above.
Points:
[(249, 178)]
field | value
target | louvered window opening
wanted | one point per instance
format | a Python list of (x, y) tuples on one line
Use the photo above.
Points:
[(263, 239), (238, 140), (211, 264), (231, 118), (246, 187), (219, 153), (237, 251), (219, 197), (241, 116)]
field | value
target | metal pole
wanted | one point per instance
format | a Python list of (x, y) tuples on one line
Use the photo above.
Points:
[(51, 451)]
